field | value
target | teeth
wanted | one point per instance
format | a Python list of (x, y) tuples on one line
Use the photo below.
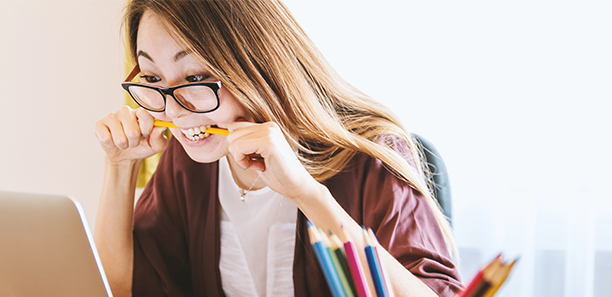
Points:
[(195, 134)]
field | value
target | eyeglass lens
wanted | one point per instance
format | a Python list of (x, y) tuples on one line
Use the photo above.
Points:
[(194, 98)]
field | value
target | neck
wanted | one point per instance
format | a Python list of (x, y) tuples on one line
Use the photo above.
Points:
[(244, 178)]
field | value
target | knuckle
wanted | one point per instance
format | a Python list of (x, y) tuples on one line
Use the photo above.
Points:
[(121, 142), (271, 125), (133, 134), (105, 140), (111, 116)]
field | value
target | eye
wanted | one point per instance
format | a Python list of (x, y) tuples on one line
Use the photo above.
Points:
[(197, 78), (150, 78)]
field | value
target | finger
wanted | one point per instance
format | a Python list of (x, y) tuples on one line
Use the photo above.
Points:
[(246, 152), (145, 120), (157, 139), (131, 129), (124, 127), (114, 135), (253, 162), (119, 138), (256, 163), (103, 134), (239, 124)]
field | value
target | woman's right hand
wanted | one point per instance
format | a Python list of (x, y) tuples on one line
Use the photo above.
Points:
[(128, 134)]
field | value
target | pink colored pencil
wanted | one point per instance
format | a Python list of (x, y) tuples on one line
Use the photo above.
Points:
[(356, 270)]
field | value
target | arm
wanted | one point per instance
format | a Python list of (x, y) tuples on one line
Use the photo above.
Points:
[(113, 233), (322, 209), (283, 172), (121, 136)]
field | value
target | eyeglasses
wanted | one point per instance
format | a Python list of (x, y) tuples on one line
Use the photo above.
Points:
[(200, 97)]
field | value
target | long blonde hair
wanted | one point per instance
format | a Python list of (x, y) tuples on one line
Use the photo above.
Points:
[(265, 59)]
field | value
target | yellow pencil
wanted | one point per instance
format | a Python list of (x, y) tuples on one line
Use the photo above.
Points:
[(500, 278), (218, 131)]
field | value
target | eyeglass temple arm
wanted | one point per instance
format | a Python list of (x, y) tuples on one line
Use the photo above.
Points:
[(133, 73)]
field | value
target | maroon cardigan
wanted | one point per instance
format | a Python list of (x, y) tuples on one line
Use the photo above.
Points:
[(177, 231)]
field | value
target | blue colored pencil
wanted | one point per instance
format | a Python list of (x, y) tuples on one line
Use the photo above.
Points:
[(375, 269), (329, 271), (385, 277)]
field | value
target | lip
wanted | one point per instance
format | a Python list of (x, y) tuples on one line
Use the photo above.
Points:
[(186, 141), (191, 127), (199, 126)]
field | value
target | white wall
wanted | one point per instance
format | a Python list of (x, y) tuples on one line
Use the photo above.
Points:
[(514, 94), (60, 70)]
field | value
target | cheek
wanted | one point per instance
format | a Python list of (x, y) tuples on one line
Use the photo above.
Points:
[(232, 105)]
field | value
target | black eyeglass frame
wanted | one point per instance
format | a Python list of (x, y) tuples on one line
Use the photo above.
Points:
[(214, 86)]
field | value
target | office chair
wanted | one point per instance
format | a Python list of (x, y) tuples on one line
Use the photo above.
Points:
[(439, 175)]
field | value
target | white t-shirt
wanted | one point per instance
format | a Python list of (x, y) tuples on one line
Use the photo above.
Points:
[(257, 240)]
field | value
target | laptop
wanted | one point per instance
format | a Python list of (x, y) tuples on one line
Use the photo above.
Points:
[(47, 249)]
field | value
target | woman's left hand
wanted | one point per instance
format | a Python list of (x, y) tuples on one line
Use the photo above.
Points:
[(279, 166)]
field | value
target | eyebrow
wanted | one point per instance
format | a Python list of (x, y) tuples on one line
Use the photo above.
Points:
[(180, 55), (177, 57), (141, 53)]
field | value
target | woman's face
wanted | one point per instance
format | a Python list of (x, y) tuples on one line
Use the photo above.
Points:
[(164, 63)]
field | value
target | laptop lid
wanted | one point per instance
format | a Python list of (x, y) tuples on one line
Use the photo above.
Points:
[(46, 248)]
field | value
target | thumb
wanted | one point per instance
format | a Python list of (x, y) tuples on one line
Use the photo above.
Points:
[(157, 139)]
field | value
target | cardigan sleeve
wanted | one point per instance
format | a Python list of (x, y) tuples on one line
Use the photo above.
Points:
[(161, 264), (406, 226), (401, 218)]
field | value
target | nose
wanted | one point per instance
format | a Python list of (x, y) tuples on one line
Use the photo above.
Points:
[(173, 109)]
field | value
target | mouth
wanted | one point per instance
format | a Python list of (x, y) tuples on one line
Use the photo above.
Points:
[(197, 133)]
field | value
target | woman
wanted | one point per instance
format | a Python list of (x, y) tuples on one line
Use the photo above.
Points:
[(226, 215)]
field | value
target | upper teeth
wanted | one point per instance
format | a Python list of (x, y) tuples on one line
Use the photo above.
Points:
[(196, 133)]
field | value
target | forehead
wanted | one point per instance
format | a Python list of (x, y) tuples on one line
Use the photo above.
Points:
[(155, 38)]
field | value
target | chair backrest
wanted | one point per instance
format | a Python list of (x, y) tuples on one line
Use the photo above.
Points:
[(441, 184)]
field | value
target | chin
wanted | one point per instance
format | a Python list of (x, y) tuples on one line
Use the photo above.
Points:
[(203, 158), (207, 150)]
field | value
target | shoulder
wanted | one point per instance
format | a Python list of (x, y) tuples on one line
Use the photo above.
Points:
[(401, 217), (367, 187)]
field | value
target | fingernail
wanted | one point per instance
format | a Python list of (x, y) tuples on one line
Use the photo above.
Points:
[(242, 168), (145, 135)]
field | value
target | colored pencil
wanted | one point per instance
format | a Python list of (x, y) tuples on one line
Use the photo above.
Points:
[(218, 131), (344, 279), (338, 249), (375, 270), (500, 277), (478, 278), (386, 280), (487, 275), (359, 278), (325, 261)]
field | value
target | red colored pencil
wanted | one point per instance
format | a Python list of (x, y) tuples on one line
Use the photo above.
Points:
[(478, 279)]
